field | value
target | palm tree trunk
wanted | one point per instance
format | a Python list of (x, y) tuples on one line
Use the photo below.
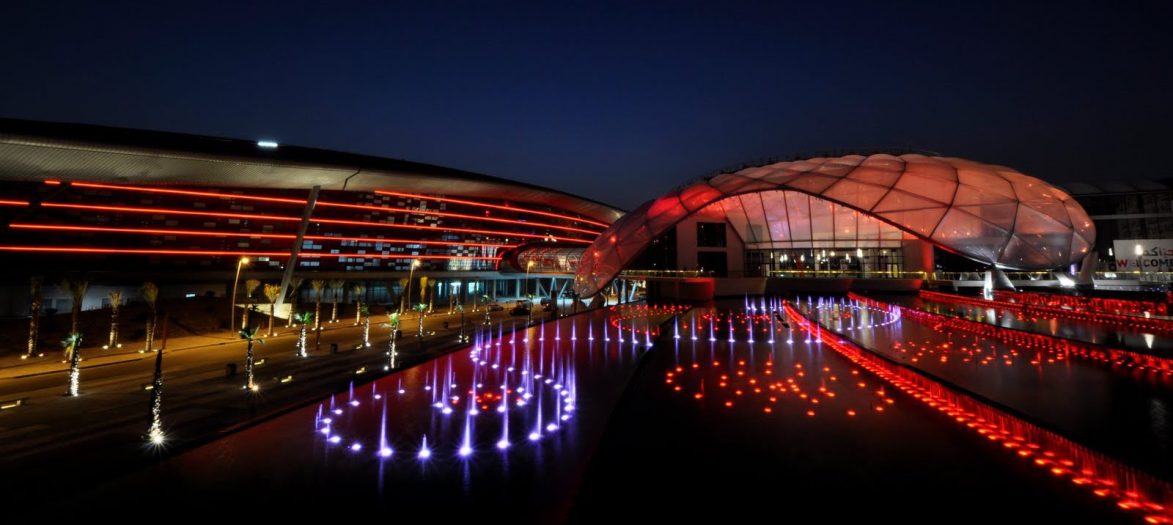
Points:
[(366, 333), (318, 312), (155, 432), (74, 368), (391, 350), (150, 343), (114, 325), (272, 313), (248, 367), (34, 317), (302, 351), (334, 311)]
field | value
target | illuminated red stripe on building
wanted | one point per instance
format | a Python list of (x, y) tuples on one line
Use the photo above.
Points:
[(487, 205), (13, 203), (296, 219), (189, 193), (208, 233), (456, 215), (302, 202), (216, 253), (170, 211)]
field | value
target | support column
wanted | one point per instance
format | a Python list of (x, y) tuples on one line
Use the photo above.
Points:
[(1085, 279), (305, 222)]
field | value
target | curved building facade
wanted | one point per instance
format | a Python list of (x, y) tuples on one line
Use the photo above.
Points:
[(124, 197), (793, 214), (117, 204)]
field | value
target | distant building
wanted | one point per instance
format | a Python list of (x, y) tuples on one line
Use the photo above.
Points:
[(1126, 213)]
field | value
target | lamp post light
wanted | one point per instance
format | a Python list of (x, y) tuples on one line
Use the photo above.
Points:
[(232, 302), (415, 263), (529, 319)]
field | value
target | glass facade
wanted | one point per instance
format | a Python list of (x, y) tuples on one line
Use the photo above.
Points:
[(990, 214)]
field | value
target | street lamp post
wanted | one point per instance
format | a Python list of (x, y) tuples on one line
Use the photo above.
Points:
[(530, 316), (232, 302), (415, 263)]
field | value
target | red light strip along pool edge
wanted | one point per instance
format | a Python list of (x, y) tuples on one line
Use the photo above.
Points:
[(1132, 489)]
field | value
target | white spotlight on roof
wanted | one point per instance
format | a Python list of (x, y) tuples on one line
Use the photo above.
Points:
[(267, 144)]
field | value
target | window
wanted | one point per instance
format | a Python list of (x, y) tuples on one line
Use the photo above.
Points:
[(710, 234)]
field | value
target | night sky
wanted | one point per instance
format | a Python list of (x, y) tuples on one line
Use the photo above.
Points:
[(616, 102)]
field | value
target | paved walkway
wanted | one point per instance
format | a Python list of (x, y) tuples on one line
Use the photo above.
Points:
[(14, 365)]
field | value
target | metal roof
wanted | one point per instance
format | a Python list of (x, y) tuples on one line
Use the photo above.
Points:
[(33, 150)]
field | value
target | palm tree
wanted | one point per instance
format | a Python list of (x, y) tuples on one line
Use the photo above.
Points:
[(488, 311), (150, 294), (463, 337), (272, 292), (250, 335), (77, 290), (294, 284), (304, 319), (34, 315), (431, 295), (403, 298), (115, 306), (393, 323), (336, 289), (422, 309), (366, 327), (317, 285), (155, 433), (72, 346), (357, 292), (250, 287)]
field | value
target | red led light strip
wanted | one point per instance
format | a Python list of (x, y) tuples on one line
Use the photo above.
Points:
[(144, 251), (487, 205), (1024, 340), (1127, 322), (301, 202), (296, 219), (1131, 489), (1099, 304), (13, 203), (207, 233)]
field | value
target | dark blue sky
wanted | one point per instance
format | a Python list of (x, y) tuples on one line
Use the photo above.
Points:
[(619, 101)]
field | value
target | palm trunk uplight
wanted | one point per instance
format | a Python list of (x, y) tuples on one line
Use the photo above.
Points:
[(317, 285), (392, 356), (337, 287), (358, 292), (155, 433), (250, 336), (366, 328), (34, 316), (150, 294), (115, 306), (73, 351), (304, 320)]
